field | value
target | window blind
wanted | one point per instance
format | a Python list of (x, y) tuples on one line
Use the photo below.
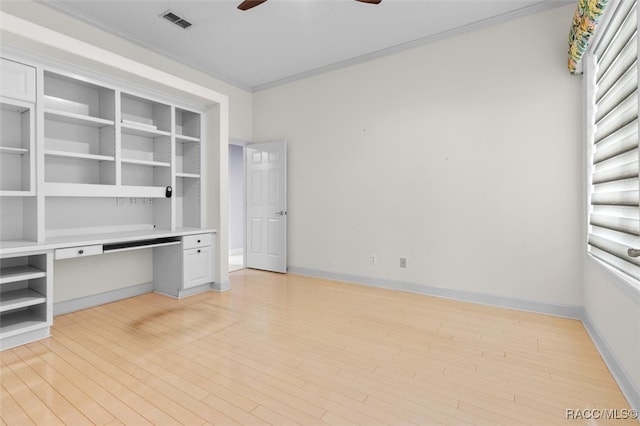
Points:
[(614, 216)]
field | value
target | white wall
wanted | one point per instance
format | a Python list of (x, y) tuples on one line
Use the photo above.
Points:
[(240, 101), (613, 308), (463, 155)]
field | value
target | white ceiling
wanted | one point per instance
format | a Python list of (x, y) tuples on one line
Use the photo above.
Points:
[(282, 40)]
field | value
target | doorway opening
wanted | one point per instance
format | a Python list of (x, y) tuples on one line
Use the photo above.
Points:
[(236, 207)]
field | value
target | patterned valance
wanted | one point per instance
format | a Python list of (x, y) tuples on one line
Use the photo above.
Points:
[(585, 21)]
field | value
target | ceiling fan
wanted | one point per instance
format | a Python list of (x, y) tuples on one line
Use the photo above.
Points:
[(248, 4)]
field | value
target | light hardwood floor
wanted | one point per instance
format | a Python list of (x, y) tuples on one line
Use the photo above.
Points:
[(285, 349)]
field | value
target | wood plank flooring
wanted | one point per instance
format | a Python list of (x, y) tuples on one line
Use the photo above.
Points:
[(285, 350)]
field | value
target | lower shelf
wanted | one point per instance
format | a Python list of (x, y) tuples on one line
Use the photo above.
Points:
[(37, 331), (20, 322), (18, 299)]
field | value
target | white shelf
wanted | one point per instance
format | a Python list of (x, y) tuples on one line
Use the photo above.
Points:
[(188, 175), (142, 130), (20, 322), (52, 189), (11, 150), (66, 154), (20, 273), (18, 299), (73, 118), (145, 162), (184, 138), (10, 193)]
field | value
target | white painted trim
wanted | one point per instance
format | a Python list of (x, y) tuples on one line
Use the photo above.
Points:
[(223, 286), (621, 376), (566, 311), (80, 303)]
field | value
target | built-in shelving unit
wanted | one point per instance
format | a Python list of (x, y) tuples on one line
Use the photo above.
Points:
[(17, 152), (79, 121), (80, 157), (25, 302), (103, 142), (17, 177), (188, 131)]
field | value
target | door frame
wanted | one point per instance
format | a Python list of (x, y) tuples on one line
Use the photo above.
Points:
[(243, 144)]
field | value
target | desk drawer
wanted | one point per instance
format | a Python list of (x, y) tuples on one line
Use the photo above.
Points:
[(196, 241), (81, 251)]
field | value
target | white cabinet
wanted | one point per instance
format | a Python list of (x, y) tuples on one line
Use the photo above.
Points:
[(17, 81), (197, 267), (185, 269), (25, 299), (197, 260)]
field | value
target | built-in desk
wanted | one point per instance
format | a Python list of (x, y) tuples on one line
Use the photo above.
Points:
[(183, 264)]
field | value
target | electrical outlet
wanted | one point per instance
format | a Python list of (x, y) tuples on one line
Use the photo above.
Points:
[(403, 262), (373, 258)]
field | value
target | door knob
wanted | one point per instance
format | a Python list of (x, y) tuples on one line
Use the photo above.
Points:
[(281, 213)]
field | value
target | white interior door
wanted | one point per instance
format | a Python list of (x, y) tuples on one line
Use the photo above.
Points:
[(267, 206)]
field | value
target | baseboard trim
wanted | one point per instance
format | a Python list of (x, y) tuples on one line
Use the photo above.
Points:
[(565, 311), (223, 286), (85, 302), (628, 387)]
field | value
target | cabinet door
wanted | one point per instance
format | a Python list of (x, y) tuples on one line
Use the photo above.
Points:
[(17, 80), (197, 267)]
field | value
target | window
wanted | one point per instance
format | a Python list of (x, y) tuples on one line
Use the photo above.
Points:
[(611, 71)]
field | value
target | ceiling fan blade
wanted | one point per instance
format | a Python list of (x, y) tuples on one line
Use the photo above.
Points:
[(370, 1), (248, 4)]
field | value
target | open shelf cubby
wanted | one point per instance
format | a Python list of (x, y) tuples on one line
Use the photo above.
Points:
[(24, 292), (16, 148)]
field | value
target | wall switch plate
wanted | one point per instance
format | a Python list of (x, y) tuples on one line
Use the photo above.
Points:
[(403, 262), (373, 258)]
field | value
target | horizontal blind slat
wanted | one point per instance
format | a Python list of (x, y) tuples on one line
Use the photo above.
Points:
[(616, 143), (623, 88), (621, 38), (624, 11), (626, 171), (622, 224), (624, 113), (622, 198)]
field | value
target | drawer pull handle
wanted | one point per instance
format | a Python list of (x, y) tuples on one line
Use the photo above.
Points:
[(198, 241), (80, 251), (198, 251)]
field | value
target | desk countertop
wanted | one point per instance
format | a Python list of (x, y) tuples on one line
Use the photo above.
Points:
[(26, 247)]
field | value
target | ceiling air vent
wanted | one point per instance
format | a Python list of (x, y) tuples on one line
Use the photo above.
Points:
[(179, 21)]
